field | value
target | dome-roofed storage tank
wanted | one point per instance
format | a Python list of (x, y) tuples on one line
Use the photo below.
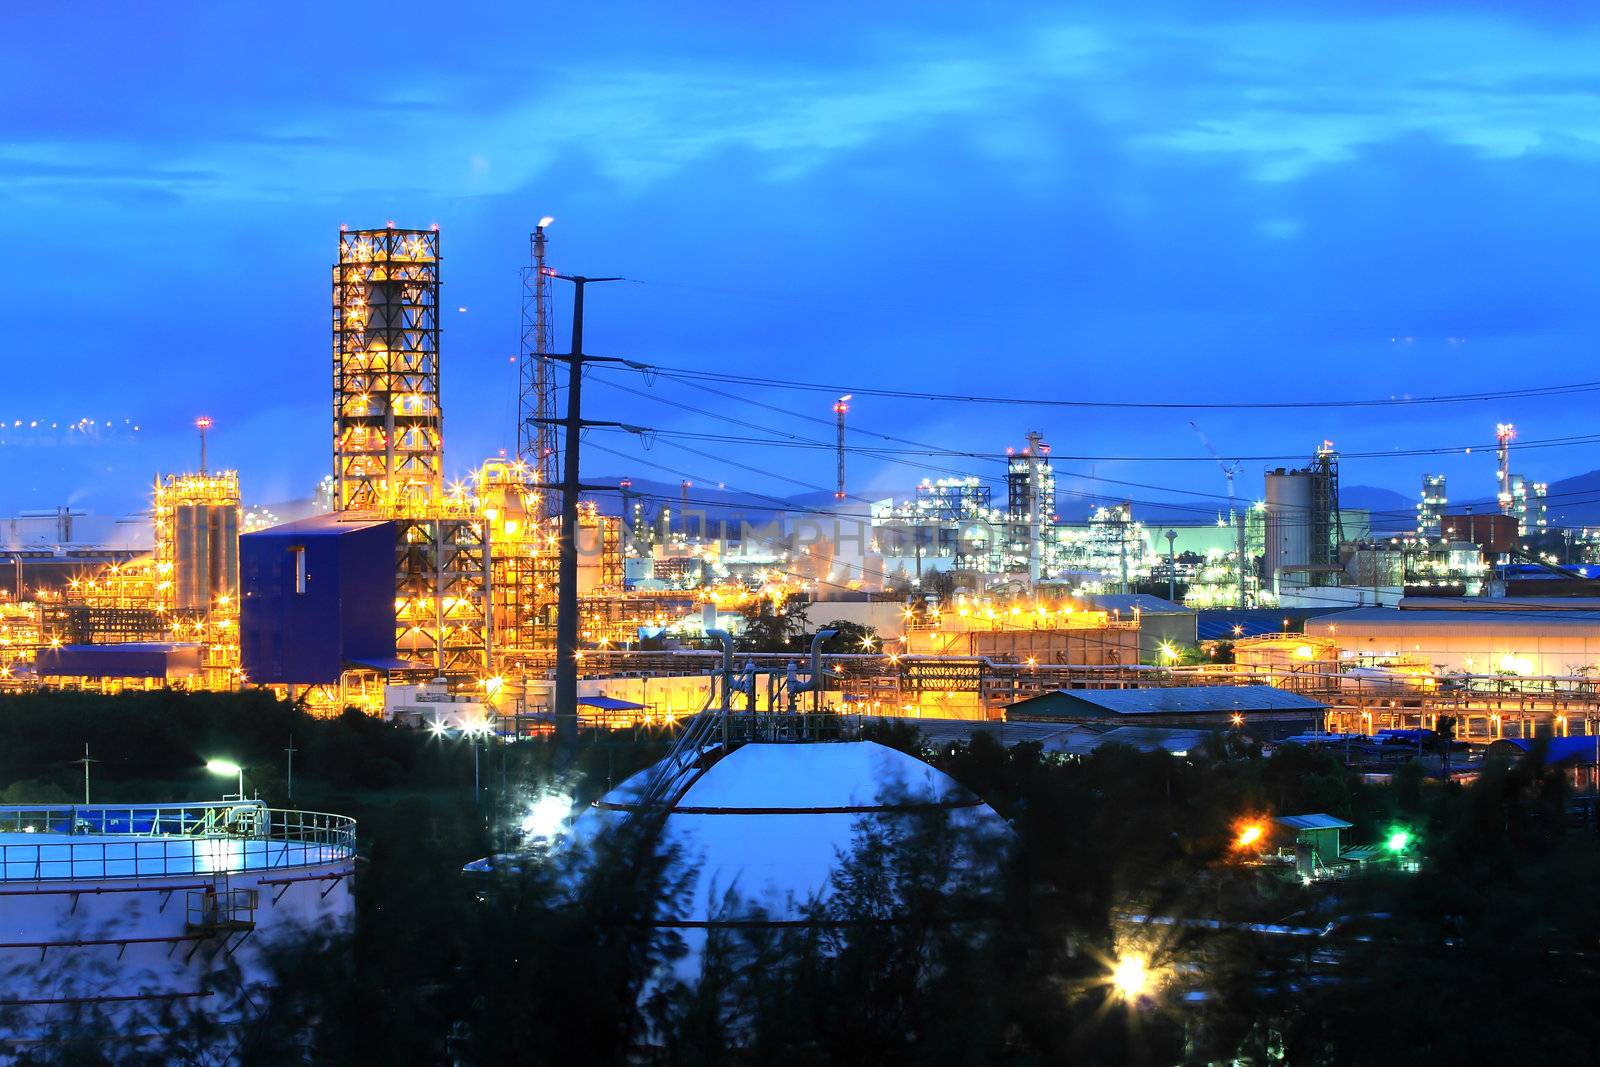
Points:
[(772, 822)]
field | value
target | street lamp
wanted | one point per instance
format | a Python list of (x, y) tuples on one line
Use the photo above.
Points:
[(227, 767), (1130, 977), (547, 816)]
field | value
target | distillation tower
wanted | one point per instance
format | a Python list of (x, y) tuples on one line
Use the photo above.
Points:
[(388, 445)]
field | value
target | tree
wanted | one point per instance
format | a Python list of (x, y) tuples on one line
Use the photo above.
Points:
[(849, 637), (775, 628)]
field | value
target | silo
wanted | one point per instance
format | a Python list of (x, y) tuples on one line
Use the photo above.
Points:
[(191, 564), (197, 538), (1288, 521)]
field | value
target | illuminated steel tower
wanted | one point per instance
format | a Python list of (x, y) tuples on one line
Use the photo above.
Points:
[(1030, 506), (536, 376), (839, 410), (1430, 512), (387, 426), (1504, 434)]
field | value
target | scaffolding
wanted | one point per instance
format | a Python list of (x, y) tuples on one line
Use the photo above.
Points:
[(122, 602), (387, 424), (441, 595)]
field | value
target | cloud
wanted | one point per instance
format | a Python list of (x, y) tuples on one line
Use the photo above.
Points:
[(1037, 204)]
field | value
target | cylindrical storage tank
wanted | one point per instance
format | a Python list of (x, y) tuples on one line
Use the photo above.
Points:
[(224, 531), (1288, 521), (123, 910), (191, 563)]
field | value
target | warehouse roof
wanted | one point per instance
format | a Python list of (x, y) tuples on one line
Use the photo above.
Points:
[(1312, 822), (1174, 700), (1144, 603), (1541, 618), (1217, 624), (329, 525), (1057, 737), (132, 659), (1582, 749), (1513, 604)]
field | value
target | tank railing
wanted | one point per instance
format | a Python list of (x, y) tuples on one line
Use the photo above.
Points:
[(276, 839), (148, 820)]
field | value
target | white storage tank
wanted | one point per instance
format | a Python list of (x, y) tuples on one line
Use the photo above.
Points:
[(128, 908), (1288, 522)]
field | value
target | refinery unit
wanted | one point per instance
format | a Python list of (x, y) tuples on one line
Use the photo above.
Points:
[(420, 598)]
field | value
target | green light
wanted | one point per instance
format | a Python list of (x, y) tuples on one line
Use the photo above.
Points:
[(1398, 840)]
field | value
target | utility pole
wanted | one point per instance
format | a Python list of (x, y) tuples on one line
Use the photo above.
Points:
[(1122, 547), (628, 530), (566, 709), (839, 409), (86, 761), (1172, 567), (291, 751), (1238, 518)]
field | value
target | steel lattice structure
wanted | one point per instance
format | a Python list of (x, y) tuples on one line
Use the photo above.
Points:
[(442, 578), (387, 424), (537, 439)]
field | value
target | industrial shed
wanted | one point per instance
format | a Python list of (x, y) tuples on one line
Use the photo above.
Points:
[(1532, 641), (1054, 738), (1264, 711), (161, 662)]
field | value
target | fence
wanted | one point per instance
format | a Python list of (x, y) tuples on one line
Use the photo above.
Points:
[(161, 840)]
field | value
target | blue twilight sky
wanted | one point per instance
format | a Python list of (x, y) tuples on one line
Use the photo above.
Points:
[(1121, 202)]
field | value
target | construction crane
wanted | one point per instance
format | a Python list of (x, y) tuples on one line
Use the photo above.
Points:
[(1235, 518), (1228, 470)]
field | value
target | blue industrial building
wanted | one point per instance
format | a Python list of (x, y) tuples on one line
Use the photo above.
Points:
[(1261, 710), (317, 600), (162, 661)]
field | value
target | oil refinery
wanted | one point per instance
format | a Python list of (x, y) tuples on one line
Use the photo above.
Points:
[(417, 598)]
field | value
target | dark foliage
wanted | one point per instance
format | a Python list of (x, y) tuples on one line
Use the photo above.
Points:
[(932, 948)]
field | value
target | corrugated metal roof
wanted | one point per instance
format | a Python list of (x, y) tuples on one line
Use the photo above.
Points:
[(1127, 603), (1067, 738), (135, 659), (1312, 822), (1532, 618), (1217, 624), (1365, 853), (1179, 700), (387, 663), (1582, 749), (329, 525), (606, 703)]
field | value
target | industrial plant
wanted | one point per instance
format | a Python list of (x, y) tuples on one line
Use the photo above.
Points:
[(424, 600), (134, 907)]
